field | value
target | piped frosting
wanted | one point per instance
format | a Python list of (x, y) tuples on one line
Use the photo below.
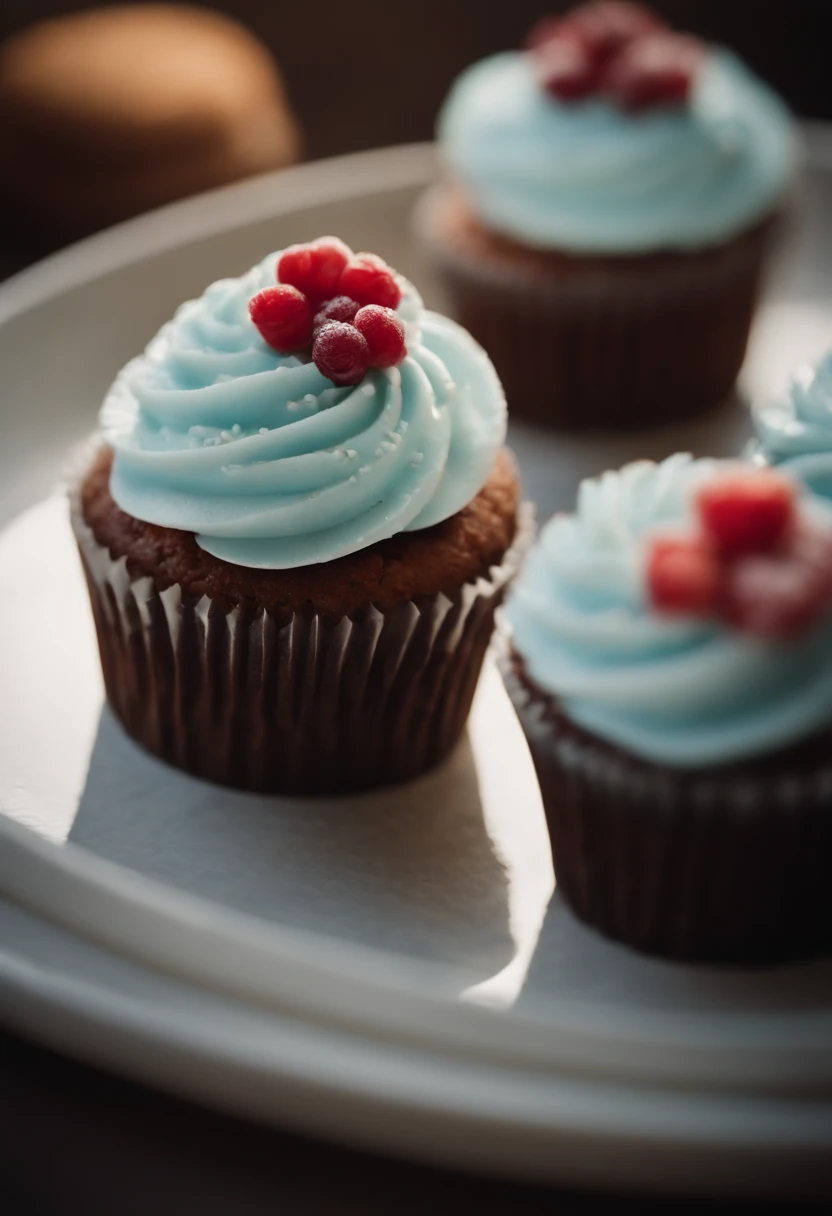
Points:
[(270, 463), (685, 691)]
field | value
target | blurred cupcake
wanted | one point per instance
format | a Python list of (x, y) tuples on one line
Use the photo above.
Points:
[(672, 667), (796, 431), (108, 113), (609, 199), (299, 528)]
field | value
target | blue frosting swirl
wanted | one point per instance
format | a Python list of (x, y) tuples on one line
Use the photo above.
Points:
[(269, 463), (797, 431), (677, 691), (587, 177)]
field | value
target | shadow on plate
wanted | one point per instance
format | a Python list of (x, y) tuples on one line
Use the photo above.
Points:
[(575, 961), (410, 869)]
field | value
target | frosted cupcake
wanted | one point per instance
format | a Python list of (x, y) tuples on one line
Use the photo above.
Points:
[(609, 198), (672, 668), (298, 528), (796, 431)]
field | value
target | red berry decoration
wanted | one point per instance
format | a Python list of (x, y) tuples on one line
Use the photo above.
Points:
[(314, 268), (283, 316), (341, 352), (779, 596), (339, 304), (747, 511), (567, 69), (341, 308), (369, 280), (657, 70), (623, 50), (757, 564), (607, 26), (684, 576), (383, 331)]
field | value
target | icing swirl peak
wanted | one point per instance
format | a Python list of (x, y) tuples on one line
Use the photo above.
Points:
[(686, 691), (797, 430), (269, 462)]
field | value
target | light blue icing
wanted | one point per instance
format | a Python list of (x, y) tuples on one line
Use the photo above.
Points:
[(588, 177), (797, 431), (273, 466), (677, 691)]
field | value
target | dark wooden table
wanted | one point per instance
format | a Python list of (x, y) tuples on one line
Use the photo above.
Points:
[(74, 1140)]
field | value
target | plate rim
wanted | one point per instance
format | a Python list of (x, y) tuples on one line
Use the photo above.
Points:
[(262, 197), (273, 966), (447, 1112)]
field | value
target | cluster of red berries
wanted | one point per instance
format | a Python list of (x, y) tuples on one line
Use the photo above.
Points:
[(755, 561), (622, 50), (336, 304)]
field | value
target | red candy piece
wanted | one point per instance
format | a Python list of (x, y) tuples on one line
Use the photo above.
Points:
[(383, 331), (758, 564), (567, 69), (341, 308), (684, 576), (776, 597), (607, 26), (314, 268), (283, 316), (656, 70), (340, 352), (747, 512), (369, 280)]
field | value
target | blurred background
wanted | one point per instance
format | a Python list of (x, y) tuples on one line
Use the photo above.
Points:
[(373, 72), (356, 76)]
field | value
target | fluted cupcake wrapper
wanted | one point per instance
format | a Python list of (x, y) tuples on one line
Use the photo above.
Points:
[(314, 705), (708, 867), (618, 348)]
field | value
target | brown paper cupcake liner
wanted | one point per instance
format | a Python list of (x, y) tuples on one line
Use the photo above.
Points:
[(616, 344), (726, 866), (312, 706)]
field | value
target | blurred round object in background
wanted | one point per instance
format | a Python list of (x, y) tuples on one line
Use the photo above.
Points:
[(108, 113)]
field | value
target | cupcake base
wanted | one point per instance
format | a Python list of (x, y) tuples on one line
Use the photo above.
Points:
[(231, 676), (728, 865), (612, 342)]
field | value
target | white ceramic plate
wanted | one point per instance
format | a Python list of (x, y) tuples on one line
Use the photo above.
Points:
[(389, 970)]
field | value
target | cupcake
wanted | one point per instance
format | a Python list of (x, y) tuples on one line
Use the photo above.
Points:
[(298, 528), (609, 198), (796, 431), (671, 664)]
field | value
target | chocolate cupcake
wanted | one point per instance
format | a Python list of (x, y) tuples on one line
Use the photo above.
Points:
[(298, 528), (671, 663), (795, 431), (609, 198)]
